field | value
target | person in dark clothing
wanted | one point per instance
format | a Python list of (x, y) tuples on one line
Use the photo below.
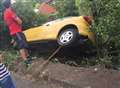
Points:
[(14, 25)]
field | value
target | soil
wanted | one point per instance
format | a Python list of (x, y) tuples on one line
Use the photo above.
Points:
[(64, 76), (61, 75)]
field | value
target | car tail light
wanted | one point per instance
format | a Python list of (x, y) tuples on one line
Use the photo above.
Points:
[(88, 19)]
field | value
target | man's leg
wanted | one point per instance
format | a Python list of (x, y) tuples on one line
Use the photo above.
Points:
[(23, 47), (24, 54)]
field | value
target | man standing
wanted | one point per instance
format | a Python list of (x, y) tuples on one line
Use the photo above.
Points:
[(14, 24)]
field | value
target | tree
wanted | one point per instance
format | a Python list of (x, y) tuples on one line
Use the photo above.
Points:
[(4, 35), (84, 7), (26, 11), (65, 8), (107, 30)]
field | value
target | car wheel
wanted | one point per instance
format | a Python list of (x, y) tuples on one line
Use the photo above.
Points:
[(67, 37)]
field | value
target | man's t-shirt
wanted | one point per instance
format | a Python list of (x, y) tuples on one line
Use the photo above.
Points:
[(9, 18)]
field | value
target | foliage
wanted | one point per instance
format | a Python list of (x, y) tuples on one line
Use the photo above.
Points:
[(84, 7), (107, 29), (26, 11), (9, 55), (4, 37), (106, 24), (65, 8)]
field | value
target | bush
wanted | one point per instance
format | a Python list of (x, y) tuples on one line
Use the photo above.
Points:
[(65, 8), (107, 29), (26, 11), (9, 55)]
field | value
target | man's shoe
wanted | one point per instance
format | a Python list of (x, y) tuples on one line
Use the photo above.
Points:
[(27, 63)]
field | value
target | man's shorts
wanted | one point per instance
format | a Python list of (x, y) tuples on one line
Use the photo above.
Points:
[(20, 40)]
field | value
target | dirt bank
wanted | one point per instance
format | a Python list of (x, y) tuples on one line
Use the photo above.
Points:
[(64, 76)]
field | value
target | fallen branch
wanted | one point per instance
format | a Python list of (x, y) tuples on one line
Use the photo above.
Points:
[(41, 68)]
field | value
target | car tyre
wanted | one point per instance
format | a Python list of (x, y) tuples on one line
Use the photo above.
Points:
[(67, 37)]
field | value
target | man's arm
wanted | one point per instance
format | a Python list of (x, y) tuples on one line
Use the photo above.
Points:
[(15, 17), (18, 20)]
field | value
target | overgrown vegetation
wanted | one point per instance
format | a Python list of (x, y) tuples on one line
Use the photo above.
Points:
[(26, 11), (106, 25), (107, 30)]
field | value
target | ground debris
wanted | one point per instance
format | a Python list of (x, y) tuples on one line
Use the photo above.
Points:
[(57, 75)]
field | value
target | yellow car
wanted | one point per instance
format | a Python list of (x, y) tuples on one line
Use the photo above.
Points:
[(65, 31)]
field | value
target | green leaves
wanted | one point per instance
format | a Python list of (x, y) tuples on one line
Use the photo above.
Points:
[(107, 26), (84, 7), (65, 8), (26, 11)]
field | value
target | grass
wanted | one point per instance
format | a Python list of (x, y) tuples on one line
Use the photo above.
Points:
[(9, 55)]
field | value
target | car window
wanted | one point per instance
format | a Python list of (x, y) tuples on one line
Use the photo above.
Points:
[(51, 22)]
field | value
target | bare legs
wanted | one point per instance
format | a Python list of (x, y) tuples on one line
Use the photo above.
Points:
[(24, 54)]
